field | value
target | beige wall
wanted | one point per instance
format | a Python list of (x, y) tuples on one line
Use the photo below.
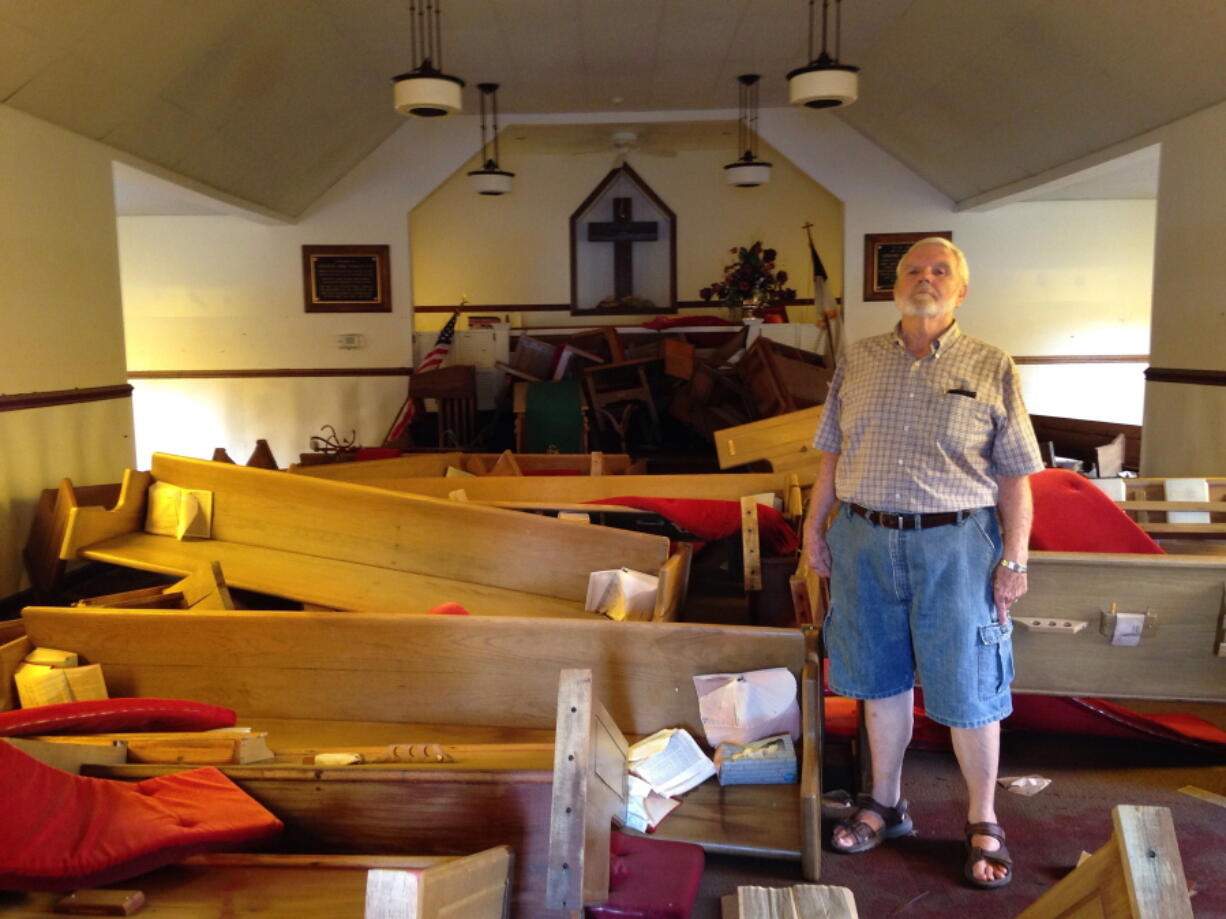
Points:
[(60, 321), (514, 249), (1185, 424)]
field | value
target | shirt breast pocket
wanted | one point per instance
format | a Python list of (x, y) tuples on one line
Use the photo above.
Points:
[(963, 424)]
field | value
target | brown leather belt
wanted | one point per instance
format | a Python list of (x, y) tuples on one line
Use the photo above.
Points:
[(911, 521)]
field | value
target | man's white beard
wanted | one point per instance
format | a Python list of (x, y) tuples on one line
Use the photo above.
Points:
[(926, 308)]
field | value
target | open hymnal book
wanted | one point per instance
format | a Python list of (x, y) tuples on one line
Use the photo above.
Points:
[(621, 593), (670, 762)]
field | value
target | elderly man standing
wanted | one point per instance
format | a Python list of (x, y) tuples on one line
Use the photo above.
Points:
[(926, 447)]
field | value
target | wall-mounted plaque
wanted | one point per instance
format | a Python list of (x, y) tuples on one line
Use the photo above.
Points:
[(346, 279), (881, 254)]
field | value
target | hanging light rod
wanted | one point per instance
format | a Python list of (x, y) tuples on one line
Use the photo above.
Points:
[(824, 82), (490, 179), (747, 171), (425, 91)]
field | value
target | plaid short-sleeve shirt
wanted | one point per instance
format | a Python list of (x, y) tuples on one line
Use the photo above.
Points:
[(927, 434)]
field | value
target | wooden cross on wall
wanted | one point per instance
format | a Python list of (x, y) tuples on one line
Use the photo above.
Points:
[(622, 231)]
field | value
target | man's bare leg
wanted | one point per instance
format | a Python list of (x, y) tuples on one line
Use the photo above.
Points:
[(978, 752), (889, 722)]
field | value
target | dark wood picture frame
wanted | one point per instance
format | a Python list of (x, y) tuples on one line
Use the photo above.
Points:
[(346, 279), (881, 254)]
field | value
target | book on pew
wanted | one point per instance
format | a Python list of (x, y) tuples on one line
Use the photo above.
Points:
[(621, 593), (670, 762)]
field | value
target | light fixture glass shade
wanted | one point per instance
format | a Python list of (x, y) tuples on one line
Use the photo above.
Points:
[(427, 94), (747, 173), (489, 181), (824, 85)]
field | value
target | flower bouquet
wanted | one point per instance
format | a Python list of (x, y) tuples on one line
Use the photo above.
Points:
[(751, 282)]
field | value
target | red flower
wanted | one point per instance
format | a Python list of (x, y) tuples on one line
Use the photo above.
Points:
[(706, 293)]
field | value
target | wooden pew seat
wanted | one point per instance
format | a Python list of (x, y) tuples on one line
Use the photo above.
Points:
[(337, 681), (344, 546)]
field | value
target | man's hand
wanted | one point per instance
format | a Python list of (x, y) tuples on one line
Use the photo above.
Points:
[(1007, 588), (817, 553)]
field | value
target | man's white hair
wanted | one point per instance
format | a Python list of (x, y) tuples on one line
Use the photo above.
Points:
[(960, 267)]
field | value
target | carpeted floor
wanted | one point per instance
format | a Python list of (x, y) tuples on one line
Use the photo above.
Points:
[(919, 877)]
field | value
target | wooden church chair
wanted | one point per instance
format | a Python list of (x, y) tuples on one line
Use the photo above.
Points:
[(783, 379), (550, 417), (455, 389), (624, 383)]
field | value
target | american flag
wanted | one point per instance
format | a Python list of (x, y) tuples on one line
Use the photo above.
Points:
[(442, 345), (432, 361)]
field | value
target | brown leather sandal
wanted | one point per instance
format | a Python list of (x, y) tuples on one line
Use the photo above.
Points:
[(897, 822), (975, 853)]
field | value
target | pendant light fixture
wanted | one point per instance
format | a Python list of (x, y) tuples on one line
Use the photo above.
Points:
[(747, 171), (490, 179), (824, 82), (425, 90)]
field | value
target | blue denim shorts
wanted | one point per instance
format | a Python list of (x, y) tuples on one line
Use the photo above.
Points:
[(904, 601)]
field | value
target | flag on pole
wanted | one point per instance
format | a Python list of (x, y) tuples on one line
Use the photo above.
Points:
[(432, 361), (829, 317)]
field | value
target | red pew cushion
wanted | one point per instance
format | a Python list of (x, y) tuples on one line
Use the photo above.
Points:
[(1072, 515), (107, 716), (650, 879), (64, 832)]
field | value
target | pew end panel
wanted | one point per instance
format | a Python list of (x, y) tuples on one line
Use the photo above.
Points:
[(1065, 625)]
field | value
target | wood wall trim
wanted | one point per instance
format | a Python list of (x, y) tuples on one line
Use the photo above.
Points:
[(565, 308), (271, 372), (15, 402), (1081, 359), (1182, 375)]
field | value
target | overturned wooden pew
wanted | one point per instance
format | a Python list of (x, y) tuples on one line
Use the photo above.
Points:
[(343, 546), (414, 465), (785, 441), (291, 886), (484, 690)]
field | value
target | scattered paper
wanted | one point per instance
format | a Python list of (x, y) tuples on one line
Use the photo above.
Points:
[(645, 808), (1128, 629), (1026, 785), (621, 593), (743, 707), (179, 512), (1082, 857), (670, 762)]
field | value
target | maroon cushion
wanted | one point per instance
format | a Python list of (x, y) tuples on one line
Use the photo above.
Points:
[(64, 832), (650, 878), (1072, 515), (106, 716)]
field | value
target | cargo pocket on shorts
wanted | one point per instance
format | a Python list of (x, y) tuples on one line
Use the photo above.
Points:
[(995, 659)]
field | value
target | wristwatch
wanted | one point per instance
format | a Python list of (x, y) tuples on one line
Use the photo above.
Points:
[(1012, 566)]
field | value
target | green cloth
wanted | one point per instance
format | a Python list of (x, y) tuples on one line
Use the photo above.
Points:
[(554, 417)]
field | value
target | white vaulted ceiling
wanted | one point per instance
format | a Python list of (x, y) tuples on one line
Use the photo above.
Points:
[(272, 101)]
